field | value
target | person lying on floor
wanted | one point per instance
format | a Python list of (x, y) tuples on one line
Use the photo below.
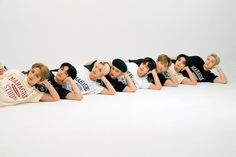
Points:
[(203, 70), (165, 75), (87, 77), (117, 74), (179, 65), (17, 88), (138, 71), (65, 75)]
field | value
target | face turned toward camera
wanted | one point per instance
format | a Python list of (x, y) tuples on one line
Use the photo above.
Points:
[(211, 61), (37, 73)]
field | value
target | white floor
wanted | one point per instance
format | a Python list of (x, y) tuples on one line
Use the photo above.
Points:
[(186, 121)]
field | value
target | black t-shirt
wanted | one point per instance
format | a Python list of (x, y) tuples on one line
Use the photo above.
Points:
[(173, 61), (160, 76), (61, 91), (118, 85), (195, 63), (150, 77)]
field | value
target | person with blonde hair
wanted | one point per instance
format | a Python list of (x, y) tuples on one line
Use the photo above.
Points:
[(165, 76), (119, 78), (88, 75), (17, 88), (202, 69)]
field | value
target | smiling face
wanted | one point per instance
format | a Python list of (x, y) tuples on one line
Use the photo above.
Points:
[(34, 76), (209, 63), (115, 72), (180, 64)]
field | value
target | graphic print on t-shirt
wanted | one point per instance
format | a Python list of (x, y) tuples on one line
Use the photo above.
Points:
[(83, 86), (123, 80), (197, 73), (15, 89)]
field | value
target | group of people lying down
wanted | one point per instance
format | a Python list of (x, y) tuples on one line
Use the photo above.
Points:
[(100, 77)]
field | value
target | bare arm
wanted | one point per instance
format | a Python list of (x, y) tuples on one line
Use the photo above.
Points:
[(131, 86), (52, 95), (109, 90), (172, 82), (157, 83), (191, 80), (222, 77), (75, 94)]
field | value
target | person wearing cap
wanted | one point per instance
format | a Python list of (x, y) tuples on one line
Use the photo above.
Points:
[(179, 65), (88, 75), (65, 75), (118, 73), (202, 69), (138, 71)]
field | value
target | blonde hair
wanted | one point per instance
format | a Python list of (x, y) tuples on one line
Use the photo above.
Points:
[(164, 59), (217, 58), (44, 70), (106, 67)]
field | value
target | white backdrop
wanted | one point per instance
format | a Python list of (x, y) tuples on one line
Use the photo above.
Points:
[(77, 31), (133, 124)]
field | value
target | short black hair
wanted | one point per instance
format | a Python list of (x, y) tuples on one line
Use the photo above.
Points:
[(184, 56), (151, 63), (72, 72)]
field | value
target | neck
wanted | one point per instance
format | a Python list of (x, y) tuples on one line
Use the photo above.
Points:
[(138, 73), (176, 69), (57, 81), (206, 69), (157, 70)]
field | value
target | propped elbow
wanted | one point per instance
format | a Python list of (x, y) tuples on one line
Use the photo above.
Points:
[(56, 98), (133, 89), (194, 83), (175, 85), (157, 87), (79, 97), (113, 92), (225, 82)]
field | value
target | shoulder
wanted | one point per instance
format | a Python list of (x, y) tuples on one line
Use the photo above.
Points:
[(81, 69), (194, 60), (12, 72), (131, 65)]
